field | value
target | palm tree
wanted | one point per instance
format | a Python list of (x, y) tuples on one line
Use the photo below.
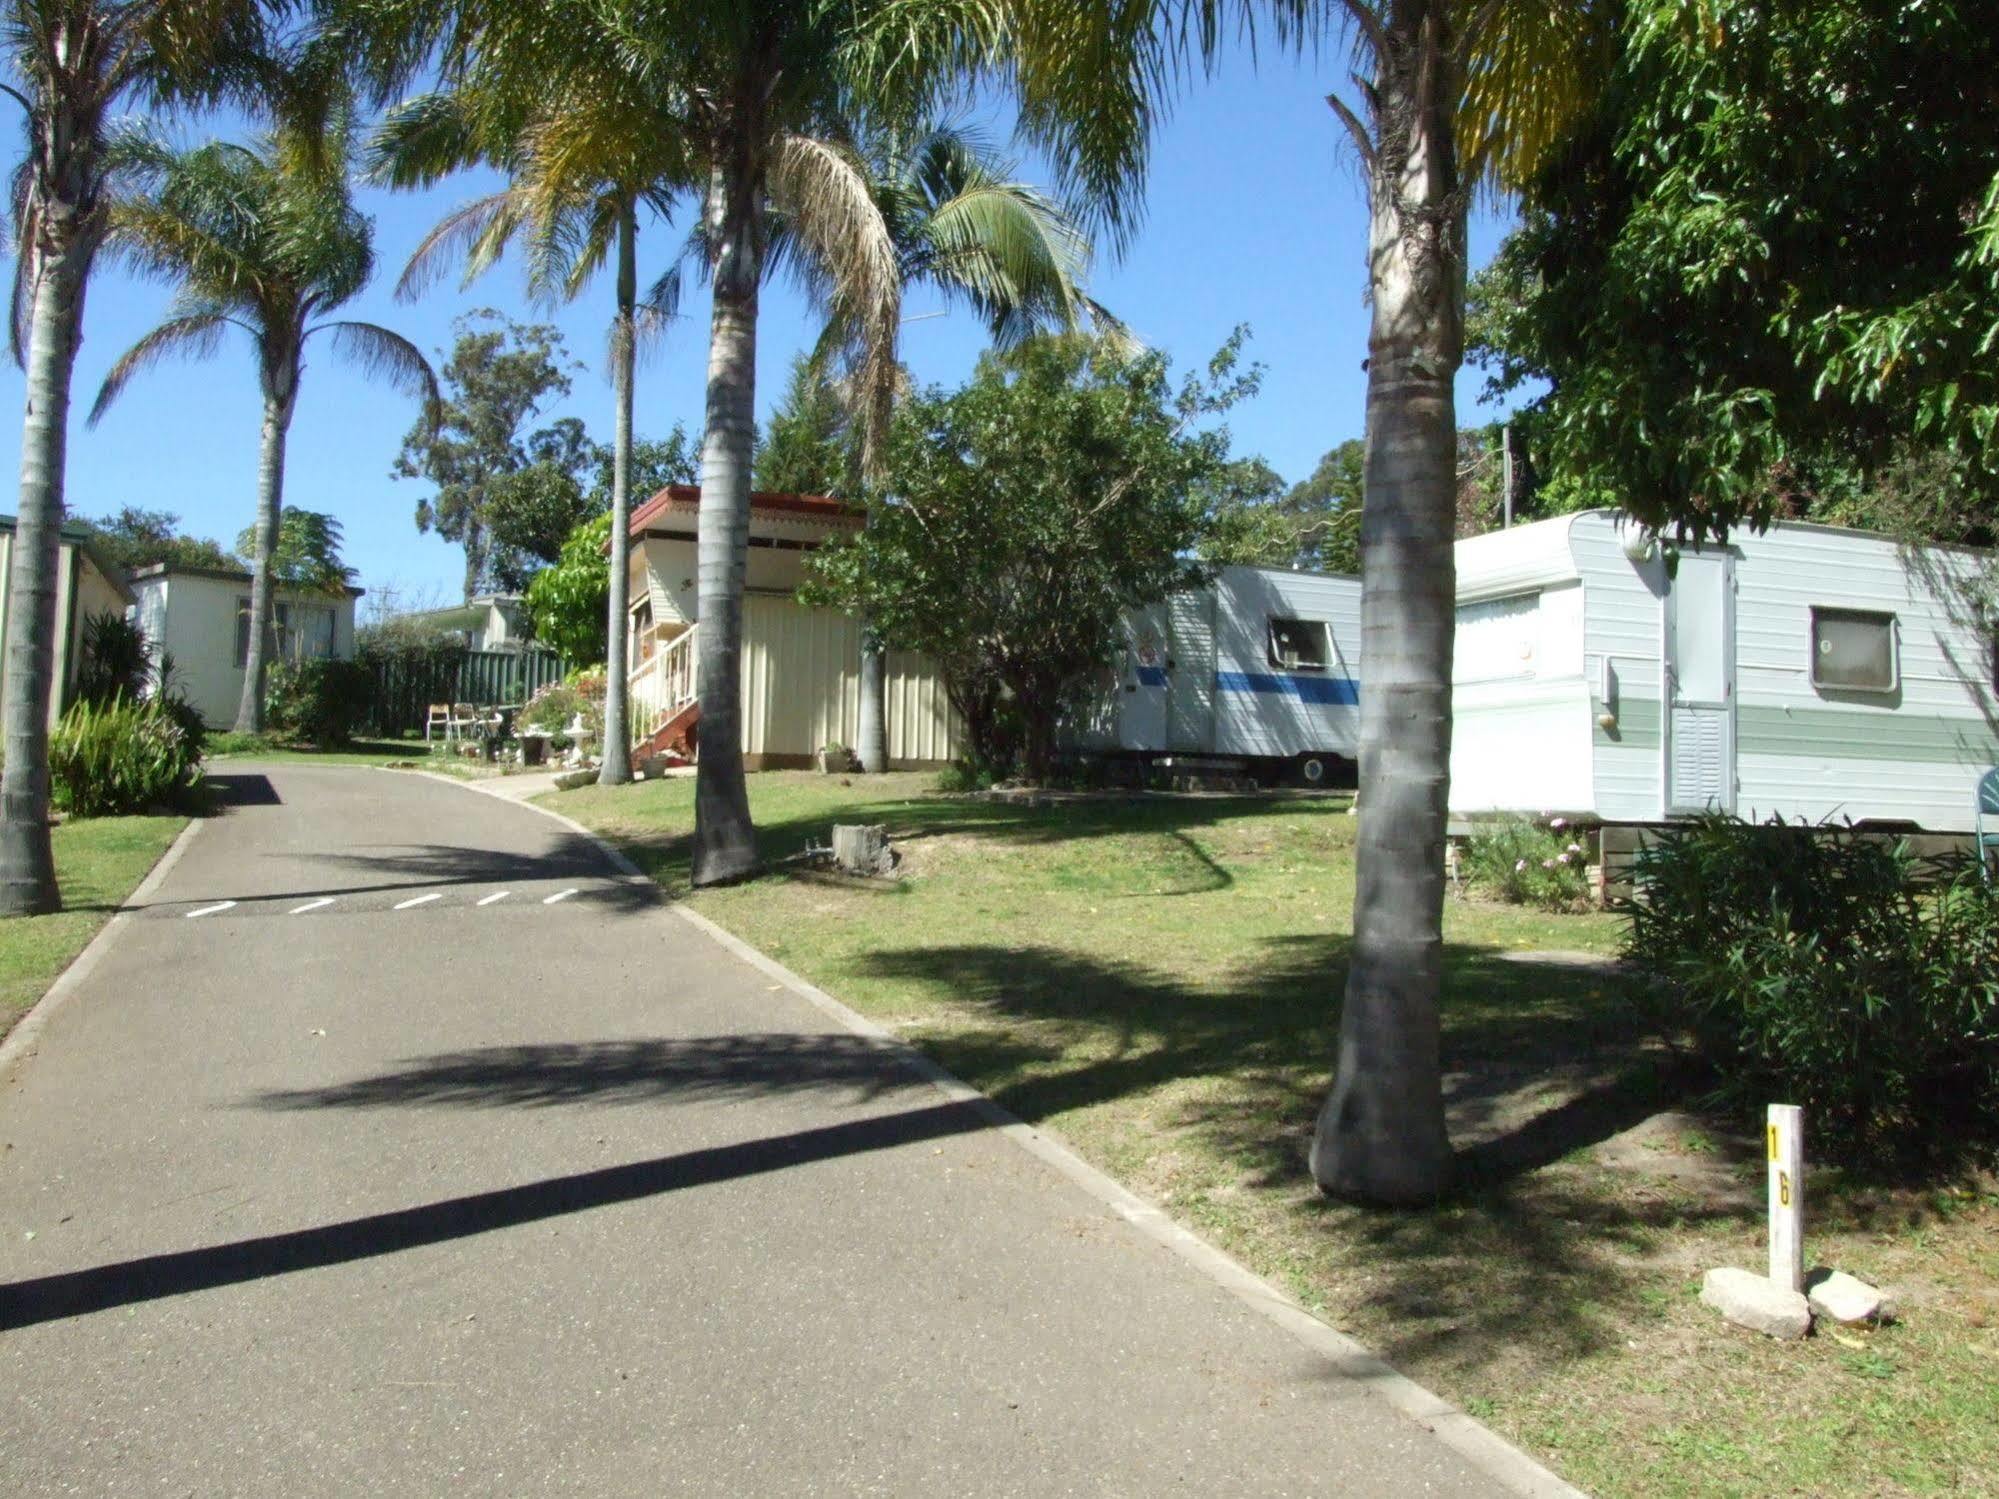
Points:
[(964, 227), (581, 168), (1454, 92), (75, 64), (265, 239), (762, 94)]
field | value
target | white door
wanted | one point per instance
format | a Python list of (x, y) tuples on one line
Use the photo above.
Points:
[(1190, 671), (1700, 685)]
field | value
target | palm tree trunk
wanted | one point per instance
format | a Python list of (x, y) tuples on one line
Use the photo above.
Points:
[(27, 863), (279, 394), (724, 836), (617, 767), (1381, 1134), (873, 728)]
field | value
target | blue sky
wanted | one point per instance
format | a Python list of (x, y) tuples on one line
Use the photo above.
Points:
[(1255, 215)]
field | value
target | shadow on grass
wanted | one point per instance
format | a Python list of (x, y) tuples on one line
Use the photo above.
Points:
[(1540, 1065)]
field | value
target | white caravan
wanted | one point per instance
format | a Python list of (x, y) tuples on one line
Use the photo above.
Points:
[(1809, 672), (1260, 667)]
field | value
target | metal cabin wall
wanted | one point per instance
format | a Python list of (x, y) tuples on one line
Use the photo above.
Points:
[(802, 691)]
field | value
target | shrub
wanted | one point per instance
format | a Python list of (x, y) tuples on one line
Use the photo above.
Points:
[(112, 661), (322, 702), (552, 709), (1817, 966), (1529, 863), (121, 757)]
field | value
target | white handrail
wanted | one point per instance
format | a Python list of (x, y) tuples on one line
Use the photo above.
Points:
[(662, 687)]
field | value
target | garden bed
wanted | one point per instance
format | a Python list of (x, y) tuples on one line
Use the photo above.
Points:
[(1158, 980)]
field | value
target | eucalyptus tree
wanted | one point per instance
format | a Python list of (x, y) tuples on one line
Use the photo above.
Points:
[(73, 66), (963, 226), (582, 168), (264, 239)]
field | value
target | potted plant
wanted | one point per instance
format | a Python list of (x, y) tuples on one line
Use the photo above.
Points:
[(835, 759)]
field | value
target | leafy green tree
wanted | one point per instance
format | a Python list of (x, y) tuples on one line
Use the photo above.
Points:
[(809, 445), (132, 538), (264, 239), (567, 602), (307, 554), (655, 464), (76, 66), (962, 225), (499, 375), (1324, 510), (1066, 483), (1816, 229), (1246, 525)]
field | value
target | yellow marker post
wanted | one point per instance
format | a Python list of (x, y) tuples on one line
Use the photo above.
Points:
[(1784, 1132)]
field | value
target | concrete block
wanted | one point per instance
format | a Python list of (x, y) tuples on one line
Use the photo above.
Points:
[(1845, 1298), (1757, 1303)]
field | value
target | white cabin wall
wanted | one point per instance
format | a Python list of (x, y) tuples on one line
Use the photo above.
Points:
[(1519, 704), (1913, 754), (1261, 710), (1623, 623)]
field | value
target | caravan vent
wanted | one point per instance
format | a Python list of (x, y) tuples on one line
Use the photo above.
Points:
[(1700, 759)]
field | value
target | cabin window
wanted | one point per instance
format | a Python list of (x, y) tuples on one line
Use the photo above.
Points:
[(1498, 638), (302, 632), (1300, 644), (1854, 650)]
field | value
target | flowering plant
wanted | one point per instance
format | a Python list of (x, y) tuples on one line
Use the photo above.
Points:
[(1529, 863)]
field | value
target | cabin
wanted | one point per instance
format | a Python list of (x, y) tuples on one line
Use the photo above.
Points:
[(200, 618), (1809, 672), (487, 622), (801, 666), (87, 583)]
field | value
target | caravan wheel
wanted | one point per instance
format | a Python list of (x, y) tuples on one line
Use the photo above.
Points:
[(1312, 770)]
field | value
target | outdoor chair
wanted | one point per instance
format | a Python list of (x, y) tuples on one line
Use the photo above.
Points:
[(437, 718), (1986, 820)]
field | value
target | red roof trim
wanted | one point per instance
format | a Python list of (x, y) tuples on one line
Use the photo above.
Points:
[(762, 502)]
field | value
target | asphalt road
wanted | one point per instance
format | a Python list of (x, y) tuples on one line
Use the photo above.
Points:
[(378, 1181)]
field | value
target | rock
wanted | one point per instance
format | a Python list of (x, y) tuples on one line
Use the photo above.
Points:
[(862, 848), (1758, 1303), (1845, 1298)]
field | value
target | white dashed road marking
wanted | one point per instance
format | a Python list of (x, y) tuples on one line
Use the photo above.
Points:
[(311, 905), (221, 905), (502, 895), (561, 895), (417, 900)]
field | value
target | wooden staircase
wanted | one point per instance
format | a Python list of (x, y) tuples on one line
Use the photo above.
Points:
[(661, 702)]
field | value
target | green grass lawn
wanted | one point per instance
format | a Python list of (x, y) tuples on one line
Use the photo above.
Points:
[(1158, 980), (99, 861)]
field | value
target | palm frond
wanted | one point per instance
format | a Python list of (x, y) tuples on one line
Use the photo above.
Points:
[(1528, 70), (1013, 253), (476, 233), (824, 193), (380, 354), (196, 336), (423, 140)]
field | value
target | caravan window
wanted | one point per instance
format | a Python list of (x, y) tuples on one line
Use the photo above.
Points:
[(1300, 644), (1854, 649)]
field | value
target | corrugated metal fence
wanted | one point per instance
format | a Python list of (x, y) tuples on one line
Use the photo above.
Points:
[(404, 685)]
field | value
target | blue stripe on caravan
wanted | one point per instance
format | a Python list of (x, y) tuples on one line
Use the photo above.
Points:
[(1152, 676), (1305, 689)]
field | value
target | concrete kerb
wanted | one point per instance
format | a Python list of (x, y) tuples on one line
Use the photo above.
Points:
[(1484, 1449), (20, 1042)]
